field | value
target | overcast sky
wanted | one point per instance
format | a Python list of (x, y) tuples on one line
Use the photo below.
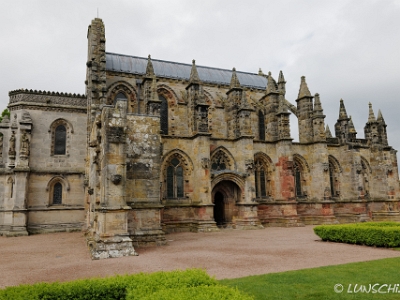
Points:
[(346, 49)]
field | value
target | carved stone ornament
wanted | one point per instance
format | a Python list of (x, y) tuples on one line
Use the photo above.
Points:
[(325, 167), (24, 152), (358, 167), (249, 163), (116, 179), (90, 191), (11, 149), (205, 163)]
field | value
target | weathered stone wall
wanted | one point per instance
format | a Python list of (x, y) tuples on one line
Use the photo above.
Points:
[(29, 174)]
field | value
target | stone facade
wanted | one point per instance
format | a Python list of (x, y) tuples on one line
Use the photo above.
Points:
[(157, 147), (29, 167)]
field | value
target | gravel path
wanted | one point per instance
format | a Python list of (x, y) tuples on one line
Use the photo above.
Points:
[(224, 254)]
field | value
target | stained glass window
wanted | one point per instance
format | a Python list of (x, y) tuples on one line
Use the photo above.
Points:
[(170, 182), (261, 126), (163, 115), (261, 179), (57, 193), (60, 139), (179, 182)]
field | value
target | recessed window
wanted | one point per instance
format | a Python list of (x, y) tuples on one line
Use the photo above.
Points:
[(261, 126), (174, 179), (297, 179), (163, 115), (60, 140), (57, 193)]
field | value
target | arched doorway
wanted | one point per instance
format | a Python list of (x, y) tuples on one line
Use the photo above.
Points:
[(225, 196), (219, 213)]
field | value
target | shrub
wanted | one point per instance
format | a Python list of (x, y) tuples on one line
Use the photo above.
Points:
[(138, 286), (202, 292), (155, 282), (379, 234)]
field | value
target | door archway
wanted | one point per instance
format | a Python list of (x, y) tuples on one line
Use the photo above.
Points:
[(224, 196)]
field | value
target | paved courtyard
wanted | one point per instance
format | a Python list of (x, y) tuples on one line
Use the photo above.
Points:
[(224, 254)]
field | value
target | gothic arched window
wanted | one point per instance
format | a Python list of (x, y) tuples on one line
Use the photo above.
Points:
[(261, 126), (334, 176), (297, 179), (60, 140), (57, 193), (163, 115), (261, 178), (174, 179), (332, 179)]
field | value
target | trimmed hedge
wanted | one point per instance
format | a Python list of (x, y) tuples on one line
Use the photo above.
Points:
[(216, 292), (181, 284), (379, 234)]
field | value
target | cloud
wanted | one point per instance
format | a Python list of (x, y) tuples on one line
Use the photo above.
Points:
[(346, 49)]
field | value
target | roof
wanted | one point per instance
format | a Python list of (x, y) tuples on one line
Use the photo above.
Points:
[(137, 65)]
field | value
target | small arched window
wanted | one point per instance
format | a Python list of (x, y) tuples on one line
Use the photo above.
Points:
[(163, 115), (174, 179), (261, 126), (57, 193), (60, 140)]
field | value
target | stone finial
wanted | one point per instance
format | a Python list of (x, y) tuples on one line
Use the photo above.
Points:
[(281, 82), (342, 111), (282, 108), (352, 129), (303, 91), (281, 78), (380, 117), (194, 76), (328, 132), (149, 67), (153, 89), (318, 111), (371, 115), (234, 80), (271, 84)]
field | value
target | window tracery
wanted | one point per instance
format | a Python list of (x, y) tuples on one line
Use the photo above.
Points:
[(175, 187), (220, 161), (261, 179)]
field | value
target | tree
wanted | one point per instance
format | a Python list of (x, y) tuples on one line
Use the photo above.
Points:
[(5, 112)]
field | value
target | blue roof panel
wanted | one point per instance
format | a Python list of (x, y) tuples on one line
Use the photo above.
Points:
[(137, 65)]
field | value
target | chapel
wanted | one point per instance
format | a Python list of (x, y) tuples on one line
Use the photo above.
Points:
[(155, 147)]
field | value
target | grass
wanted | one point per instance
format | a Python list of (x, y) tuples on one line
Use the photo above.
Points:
[(318, 283)]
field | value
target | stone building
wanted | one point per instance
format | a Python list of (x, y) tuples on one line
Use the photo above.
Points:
[(157, 147)]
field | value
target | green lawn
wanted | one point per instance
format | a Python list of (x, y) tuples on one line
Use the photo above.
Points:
[(319, 283)]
